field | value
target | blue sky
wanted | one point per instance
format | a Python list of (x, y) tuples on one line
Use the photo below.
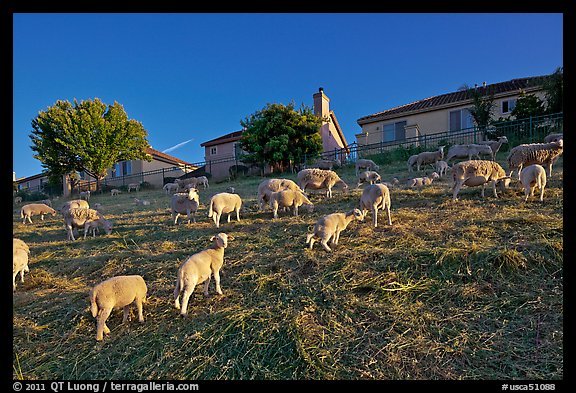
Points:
[(190, 78)]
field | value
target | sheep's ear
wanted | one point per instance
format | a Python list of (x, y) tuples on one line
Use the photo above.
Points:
[(212, 238), (230, 237)]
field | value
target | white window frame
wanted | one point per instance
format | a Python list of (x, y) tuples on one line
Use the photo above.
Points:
[(213, 150), (394, 126), (462, 119), (511, 102)]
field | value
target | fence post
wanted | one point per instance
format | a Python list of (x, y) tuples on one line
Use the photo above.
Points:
[(530, 128)]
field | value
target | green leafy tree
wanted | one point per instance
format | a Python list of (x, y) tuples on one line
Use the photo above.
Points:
[(89, 136), (528, 105), (554, 90), (279, 135), (483, 107)]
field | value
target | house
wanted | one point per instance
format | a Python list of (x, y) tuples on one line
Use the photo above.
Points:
[(445, 112), (223, 152), (32, 183)]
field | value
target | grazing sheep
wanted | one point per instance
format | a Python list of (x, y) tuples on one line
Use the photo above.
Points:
[(114, 293), (198, 269), (202, 180), (47, 202), (317, 179), (325, 164), (85, 195), (441, 167), (133, 186), (478, 173), (365, 164), (185, 184), (99, 207), (231, 190), (224, 202), (80, 217), (268, 186), (115, 191), (185, 203), (468, 151), (553, 137), (429, 157), (328, 228), (141, 202), (74, 203), (393, 183), (412, 162), (170, 188), (374, 197), (423, 181), (495, 145), (531, 177), (368, 177), (18, 200), (287, 199), (31, 209), (535, 153), (20, 253)]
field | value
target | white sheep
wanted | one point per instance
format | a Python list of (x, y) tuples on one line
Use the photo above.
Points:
[(114, 293), (317, 179), (185, 184), (231, 190), (224, 202), (47, 202), (268, 186), (535, 153), (531, 177), (198, 269), (441, 167), (495, 145), (374, 197), (74, 203), (392, 183), (429, 157), (18, 200), (141, 202), (115, 191), (79, 217), (202, 180), (368, 177), (20, 255), (329, 227), (423, 181), (31, 209), (553, 137), (468, 151), (366, 164), (478, 173), (287, 199), (133, 186), (170, 188), (85, 195), (325, 164), (185, 203), (412, 162)]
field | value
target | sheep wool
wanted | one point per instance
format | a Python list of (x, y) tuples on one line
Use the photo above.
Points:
[(474, 173), (534, 153), (317, 179)]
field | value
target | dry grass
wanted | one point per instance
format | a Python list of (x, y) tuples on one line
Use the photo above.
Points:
[(466, 290)]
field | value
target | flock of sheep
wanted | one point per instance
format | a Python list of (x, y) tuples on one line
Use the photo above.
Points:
[(122, 291)]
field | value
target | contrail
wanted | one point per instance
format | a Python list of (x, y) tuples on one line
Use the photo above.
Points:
[(177, 146)]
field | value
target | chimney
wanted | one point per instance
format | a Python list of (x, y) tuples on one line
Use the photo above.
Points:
[(321, 103), (483, 84)]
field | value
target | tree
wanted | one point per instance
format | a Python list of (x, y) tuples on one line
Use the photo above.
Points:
[(483, 106), (89, 136), (280, 135), (554, 90), (528, 105)]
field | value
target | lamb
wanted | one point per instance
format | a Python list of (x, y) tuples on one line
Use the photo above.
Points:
[(531, 177), (115, 191), (18, 200), (468, 151), (113, 293), (495, 145), (552, 137), (393, 183), (198, 269), (185, 184), (185, 203), (31, 209), (141, 202), (429, 157), (374, 197), (268, 186), (412, 162), (289, 198), (368, 177), (441, 167), (329, 227), (535, 153), (231, 190), (47, 202), (202, 180), (133, 186), (85, 195), (423, 181), (325, 164), (365, 164), (20, 253), (478, 173), (170, 188), (316, 179), (224, 202), (79, 217)]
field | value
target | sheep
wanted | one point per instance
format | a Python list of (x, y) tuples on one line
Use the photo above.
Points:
[(47, 202), (325, 164), (423, 181), (74, 203), (231, 190), (441, 167), (79, 217), (412, 162), (185, 184), (202, 180), (18, 200), (329, 227), (20, 253), (198, 269), (133, 186), (552, 137), (27, 211), (535, 153), (478, 173), (170, 188), (468, 151), (429, 157), (316, 179), (185, 203), (531, 177), (393, 183), (368, 177), (374, 197), (268, 186), (85, 195), (114, 293), (224, 202), (365, 164), (141, 202), (115, 191), (289, 198), (99, 207), (495, 145)]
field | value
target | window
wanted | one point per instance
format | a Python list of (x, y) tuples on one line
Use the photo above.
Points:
[(394, 131), (238, 152), (508, 105), (116, 170), (82, 175), (460, 119), (213, 151), (126, 167)]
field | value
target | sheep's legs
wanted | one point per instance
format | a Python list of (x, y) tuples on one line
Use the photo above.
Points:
[(185, 297), (388, 215), (217, 281), (206, 284), (324, 242), (101, 327), (139, 308), (175, 217), (238, 214), (310, 239), (126, 313), (375, 213)]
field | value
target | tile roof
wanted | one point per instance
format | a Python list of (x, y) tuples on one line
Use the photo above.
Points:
[(165, 157), (461, 96), (231, 137)]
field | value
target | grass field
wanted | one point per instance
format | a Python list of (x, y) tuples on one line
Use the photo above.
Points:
[(453, 290)]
